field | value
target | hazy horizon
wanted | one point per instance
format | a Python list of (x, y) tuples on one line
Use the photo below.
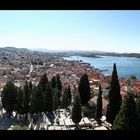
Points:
[(57, 50), (101, 30)]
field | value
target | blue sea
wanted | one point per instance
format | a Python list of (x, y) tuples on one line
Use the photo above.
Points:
[(126, 66)]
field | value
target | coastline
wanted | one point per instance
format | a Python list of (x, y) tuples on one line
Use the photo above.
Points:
[(94, 70), (125, 65)]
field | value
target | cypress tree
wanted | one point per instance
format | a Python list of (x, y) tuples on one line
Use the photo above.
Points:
[(69, 93), (55, 99), (30, 86), (43, 81), (20, 101), (59, 86), (138, 111), (99, 105), (26, 98), (138, 105), (53, 82), (76, 110), (65, 99), (40, 97), (48, 98), (114, 97), (58, 81), (84, 89), (33, 99), (126, 118), (9, 95), (37, 101)]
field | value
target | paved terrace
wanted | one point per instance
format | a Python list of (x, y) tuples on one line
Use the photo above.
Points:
[(61, 121)]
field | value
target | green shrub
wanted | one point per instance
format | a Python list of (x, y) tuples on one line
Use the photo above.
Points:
[(85, 111), (19, 127), (133, 77)]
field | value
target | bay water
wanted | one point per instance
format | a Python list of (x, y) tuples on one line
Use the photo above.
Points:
[(126, 66)]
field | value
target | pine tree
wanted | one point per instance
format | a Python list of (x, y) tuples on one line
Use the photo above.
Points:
[(26, 98), (20, 102), (99, 105), (53, 82), (76, 110), (114, 97), (126, 118), (48, 98), (9, 95), (43, 81), (84, 89)]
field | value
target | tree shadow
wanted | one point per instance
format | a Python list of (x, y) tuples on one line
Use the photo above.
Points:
[(99, 122), (50, 116), (6, 122)]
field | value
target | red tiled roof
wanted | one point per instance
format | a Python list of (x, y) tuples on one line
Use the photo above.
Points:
[(123, 88), (104, 101), (136, 86), (104, 85)]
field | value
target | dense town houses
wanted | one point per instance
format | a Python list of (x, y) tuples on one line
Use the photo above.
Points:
[(20, 65)]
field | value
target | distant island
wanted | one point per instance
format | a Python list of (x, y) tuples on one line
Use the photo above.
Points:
[(90, 55), (137, 55), (67, 53), (95, 54)]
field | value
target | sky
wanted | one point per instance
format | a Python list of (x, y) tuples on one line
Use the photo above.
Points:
[(105, 30)]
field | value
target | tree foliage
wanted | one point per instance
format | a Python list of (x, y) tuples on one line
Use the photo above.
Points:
[(138, 110), (48, 98), (26, 91), (56, 100), (114, 97), (43, 81), (20, 101), (53, 82), (126, 118), (76, 110), (138, 105), (69, 93), (37, 101), (65, 99), (133, 77), (99, 104), (59, 84), (30, 86), (9, 95), (85, 111), (84, 89)]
